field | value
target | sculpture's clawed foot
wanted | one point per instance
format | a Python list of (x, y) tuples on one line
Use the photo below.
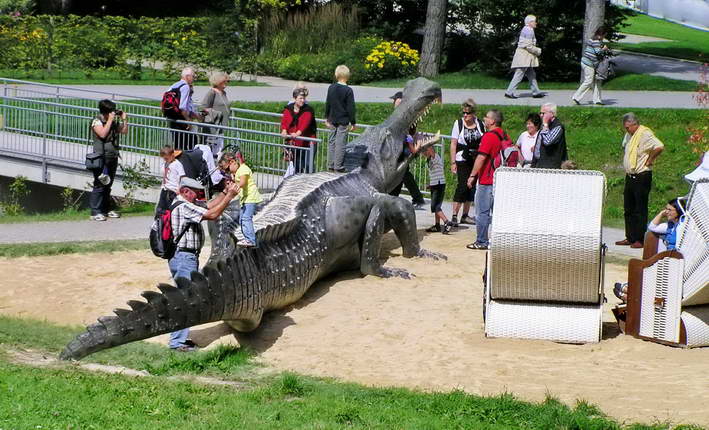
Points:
[(425, 253), (391, 272)]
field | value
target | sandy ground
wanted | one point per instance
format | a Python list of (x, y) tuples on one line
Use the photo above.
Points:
[(426, 333)]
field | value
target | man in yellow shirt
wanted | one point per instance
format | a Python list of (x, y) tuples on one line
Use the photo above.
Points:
[(641, 148), (249, 196)]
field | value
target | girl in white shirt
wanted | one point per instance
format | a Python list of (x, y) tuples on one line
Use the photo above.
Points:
[(528, 139), (172, 171)]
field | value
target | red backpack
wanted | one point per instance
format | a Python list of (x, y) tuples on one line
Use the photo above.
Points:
[(508, 156), (170, 103), (162, 241)]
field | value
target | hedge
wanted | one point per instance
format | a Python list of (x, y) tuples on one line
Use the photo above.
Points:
[(91, 43)]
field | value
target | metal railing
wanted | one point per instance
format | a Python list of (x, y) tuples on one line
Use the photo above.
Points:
[(57, 114)]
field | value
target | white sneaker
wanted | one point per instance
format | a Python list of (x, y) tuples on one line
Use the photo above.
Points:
[(113, 214), (245, 243), (99, 217)]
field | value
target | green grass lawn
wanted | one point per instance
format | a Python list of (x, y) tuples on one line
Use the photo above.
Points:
[(63, 396), (480, 80), (15, 250), (139, 209), (104, 77), (594, 136), (686, 42)]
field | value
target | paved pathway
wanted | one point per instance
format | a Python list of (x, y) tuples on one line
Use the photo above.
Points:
[(280, 91), (137, 228), (658, 66)]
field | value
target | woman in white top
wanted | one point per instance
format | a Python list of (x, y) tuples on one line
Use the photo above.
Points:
[(528, 139), (465, 141)]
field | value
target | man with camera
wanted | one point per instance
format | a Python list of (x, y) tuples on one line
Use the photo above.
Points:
[(106, 129)]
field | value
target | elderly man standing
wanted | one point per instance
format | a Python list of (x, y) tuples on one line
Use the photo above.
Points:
[(186, 218), (550, 149), (183, 139), (526, 58), (641, 150)]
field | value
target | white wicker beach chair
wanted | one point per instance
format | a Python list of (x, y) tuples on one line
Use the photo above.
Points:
[(668, 293), (545, 266)]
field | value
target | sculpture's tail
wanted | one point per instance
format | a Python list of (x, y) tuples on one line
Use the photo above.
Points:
[(209, 296)]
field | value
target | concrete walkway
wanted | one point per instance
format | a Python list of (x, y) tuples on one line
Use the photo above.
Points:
[(684, 70), (280, 91), (138, 227)]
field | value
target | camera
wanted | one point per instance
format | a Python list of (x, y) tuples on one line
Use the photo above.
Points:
[(118, 112)]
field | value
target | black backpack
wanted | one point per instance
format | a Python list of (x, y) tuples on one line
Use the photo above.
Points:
[(162, 242), (194, 164)]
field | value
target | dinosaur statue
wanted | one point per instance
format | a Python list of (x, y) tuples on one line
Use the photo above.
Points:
[(313, 226)]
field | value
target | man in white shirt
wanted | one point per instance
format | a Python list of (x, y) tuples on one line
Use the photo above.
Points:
[(182, 137)]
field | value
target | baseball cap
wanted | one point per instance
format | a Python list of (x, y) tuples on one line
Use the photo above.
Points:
[(190, 183), (397, 95)]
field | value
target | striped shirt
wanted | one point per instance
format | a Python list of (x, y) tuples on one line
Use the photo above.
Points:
[(548, 137), (435, 170), (592, 53)]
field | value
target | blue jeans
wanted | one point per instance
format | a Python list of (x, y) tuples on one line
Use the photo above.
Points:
[(483, 212), (182, 264), (246, 221)]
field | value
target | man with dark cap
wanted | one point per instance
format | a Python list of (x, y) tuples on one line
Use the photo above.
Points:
[(409, 181), (187, 215)]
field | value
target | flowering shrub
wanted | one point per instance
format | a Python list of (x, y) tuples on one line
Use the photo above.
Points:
[(391, 60)]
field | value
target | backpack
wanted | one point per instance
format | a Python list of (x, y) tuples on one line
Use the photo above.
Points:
[(194, 164), (508, 156), (162, 241), (170, 103)]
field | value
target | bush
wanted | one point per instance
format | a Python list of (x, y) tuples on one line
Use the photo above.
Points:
[(17, 191), (391, 60), (91, 43), (358, 54)]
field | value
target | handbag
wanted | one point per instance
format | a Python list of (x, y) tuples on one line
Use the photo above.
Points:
[(95, 160)]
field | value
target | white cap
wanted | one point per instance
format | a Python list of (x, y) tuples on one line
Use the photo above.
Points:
[(700, 172), (190, 183)]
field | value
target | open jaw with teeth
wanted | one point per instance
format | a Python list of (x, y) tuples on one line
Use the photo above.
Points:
[(425, 112)]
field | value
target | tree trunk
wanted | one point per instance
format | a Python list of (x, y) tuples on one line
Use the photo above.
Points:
[(595, 15), (434, 35)]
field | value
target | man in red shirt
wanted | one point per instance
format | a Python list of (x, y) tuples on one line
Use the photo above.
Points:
[(483, 172)]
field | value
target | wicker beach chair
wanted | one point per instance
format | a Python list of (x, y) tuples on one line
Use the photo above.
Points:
[(668, 293), (545, 265)]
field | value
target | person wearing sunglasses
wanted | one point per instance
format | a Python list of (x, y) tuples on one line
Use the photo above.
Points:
[(465, 141)]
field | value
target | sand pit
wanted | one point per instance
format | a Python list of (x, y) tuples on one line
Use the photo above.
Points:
[(426, 333)]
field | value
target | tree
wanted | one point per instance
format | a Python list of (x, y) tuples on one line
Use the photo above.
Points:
[(434, 35), (595, 15)]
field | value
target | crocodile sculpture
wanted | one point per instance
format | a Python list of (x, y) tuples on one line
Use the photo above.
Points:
[(313, 226)]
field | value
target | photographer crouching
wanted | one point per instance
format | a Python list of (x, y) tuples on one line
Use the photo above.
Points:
[(106, 129)]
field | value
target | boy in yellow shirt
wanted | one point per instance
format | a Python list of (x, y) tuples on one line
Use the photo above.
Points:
[(249, 196)]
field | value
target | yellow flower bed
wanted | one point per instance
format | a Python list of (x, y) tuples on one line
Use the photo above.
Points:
[(392, 59)]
